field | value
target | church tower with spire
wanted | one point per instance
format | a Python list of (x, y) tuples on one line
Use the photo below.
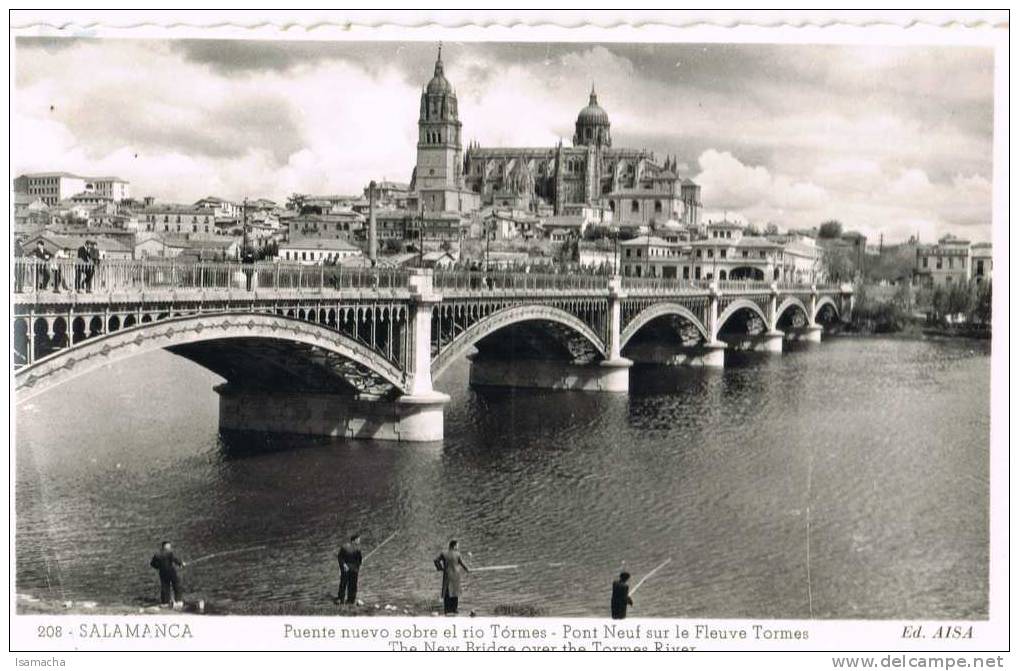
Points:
[(438, 176)]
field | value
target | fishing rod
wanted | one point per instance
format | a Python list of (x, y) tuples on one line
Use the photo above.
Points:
[(226, 552), (653, 571), (379, 546)]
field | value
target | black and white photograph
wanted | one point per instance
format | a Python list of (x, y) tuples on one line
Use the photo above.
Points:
[(526, 337)]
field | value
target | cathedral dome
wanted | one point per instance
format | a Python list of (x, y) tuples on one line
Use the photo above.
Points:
[(593, 125), (593, 114)]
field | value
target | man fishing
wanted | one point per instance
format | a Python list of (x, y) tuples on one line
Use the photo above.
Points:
[(621, 596), (166, 563), (450, 562), (350, 559)]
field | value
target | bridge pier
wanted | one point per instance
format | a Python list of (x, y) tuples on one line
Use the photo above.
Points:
[(707, 355), (405, 419), (808, 333), (608, 376), (770, 341)]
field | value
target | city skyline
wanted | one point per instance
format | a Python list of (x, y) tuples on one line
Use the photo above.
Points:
[(893, 140)]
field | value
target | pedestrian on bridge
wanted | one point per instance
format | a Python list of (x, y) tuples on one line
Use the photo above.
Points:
[(81, 267), (40, 254), (450, 563), (94, 258), (350, 559), (167, 563)]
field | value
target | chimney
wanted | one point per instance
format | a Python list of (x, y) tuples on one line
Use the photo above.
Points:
[(373, 241)]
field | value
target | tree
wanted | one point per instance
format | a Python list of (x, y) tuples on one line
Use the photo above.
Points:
[(295, 201), (837, 265), (771, 229), (751, 229), (830, 229), (982, 304)]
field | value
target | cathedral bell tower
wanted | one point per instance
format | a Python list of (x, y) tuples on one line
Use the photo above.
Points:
[(438, 177)]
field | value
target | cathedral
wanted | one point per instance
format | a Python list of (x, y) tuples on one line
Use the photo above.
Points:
[(625, 186)]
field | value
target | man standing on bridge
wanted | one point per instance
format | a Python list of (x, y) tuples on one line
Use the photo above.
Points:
[(166, 563), (621, 596), (450, 562), (350, 559)]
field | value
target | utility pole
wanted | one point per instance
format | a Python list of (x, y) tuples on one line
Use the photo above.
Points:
[(373, 239)]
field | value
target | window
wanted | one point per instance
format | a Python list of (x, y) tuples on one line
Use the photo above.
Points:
[(925, 262), (686, 272), (711, 253), (951, 263), (938, 265), (658, 207), (635, 207), (698, 253), (697, 273), (746, 254), (628, 253)]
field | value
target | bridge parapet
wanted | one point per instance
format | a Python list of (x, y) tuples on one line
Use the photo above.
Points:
[(114, 275)]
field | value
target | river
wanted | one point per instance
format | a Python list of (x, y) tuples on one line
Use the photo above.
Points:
[(842, 480)]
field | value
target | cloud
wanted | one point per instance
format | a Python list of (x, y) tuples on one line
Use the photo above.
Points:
[(877, 137)]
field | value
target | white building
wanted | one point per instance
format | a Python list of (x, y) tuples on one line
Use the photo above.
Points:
[(317, 250)]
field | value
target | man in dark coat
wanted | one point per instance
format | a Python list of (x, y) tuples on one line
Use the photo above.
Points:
[(166, 563), (93, 257), (81, 267), (621, 596), (450, 562), (350, 559), (43, 278)]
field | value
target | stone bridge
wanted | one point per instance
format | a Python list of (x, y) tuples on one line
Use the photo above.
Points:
[(358, 353)]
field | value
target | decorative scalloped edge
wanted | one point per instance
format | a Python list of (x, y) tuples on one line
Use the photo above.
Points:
[(840, 22)]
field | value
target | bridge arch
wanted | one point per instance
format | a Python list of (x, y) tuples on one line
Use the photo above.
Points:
[(791, 302), (653, 312), (736, 306), (823, 301), (500, 319), (69, 363)]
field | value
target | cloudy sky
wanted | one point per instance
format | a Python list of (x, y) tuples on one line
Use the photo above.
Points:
[(895, 140)]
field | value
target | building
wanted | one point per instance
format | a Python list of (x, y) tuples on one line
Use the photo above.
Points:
[(560, 228), (631, 183), (943, 264), (53, 187), (340, 224), (438, 177), (219, 206), (981, 261), (177, 219), (174, 246), (500, 224), (50, 187), (114, 188), (317, 250), (650, 256)]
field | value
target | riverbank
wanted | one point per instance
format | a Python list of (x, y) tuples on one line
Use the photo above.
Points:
[(28, 604)]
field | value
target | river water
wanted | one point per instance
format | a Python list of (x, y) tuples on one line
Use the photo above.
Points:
[(845, 480)]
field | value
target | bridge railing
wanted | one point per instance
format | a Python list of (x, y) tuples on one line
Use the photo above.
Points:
[(666, 284), (744, 285), (110, 275), (522, 281)]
